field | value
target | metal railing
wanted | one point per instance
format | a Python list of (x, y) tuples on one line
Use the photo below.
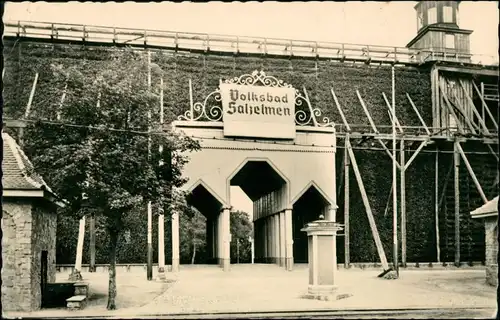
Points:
[(227, 43)]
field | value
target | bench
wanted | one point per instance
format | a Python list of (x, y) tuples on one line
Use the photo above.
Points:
[(76, 302)]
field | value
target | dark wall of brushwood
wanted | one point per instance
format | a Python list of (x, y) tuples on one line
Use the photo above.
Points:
[(24, 59)]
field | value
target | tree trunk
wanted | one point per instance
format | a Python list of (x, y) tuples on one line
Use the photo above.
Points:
[(194, 252), (112, 270)]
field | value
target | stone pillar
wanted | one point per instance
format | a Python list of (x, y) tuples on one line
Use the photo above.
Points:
[(219, 239), (276, 238), (331, 213), (264, 240), (175, 241), (226, 232), (209, 234), (161, 247), (282, 238), (79, 245), (288, 240), (269, 239), (322, 259)]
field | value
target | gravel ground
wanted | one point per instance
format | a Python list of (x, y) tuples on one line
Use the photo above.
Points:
[(258, 288)]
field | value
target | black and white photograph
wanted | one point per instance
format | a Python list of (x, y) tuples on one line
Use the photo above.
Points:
[(250, 160)]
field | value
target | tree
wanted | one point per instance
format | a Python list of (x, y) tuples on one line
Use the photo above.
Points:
[(101, 163), (241, 231), (193, 234)]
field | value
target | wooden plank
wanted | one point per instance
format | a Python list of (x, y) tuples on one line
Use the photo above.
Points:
[(471, 172), (456, 160), (418, 114), (364, 196), (492, 152), (92, 243), (485, 105), (337, 104), (347, 254), (30, 99), (450, 108), (436, 207), (391, 115), (458, 105), (473, 107), (435, 123), (389, 153), (366, 112), (420, 147), (403, 203)]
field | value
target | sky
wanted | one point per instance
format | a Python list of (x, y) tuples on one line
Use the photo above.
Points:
[(386, 23)]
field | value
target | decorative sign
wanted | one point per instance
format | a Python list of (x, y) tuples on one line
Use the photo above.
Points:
[(258, 111)]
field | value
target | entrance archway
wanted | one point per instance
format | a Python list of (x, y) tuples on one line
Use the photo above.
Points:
[(287, 172)]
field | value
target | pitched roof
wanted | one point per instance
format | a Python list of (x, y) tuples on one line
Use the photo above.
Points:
[(17, 171), (489, 209)]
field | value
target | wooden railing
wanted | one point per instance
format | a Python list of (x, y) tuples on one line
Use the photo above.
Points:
[(225, 43)]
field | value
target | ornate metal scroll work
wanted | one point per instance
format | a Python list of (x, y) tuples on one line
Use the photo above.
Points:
[(206, 110), (305, 114)]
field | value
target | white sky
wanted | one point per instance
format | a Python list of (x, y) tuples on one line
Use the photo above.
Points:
[(377, 23)]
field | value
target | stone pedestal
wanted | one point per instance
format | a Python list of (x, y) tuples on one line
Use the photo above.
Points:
[(322, 259)]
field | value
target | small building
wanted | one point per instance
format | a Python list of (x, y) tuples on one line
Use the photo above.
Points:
[(489, 212), (29, 224)]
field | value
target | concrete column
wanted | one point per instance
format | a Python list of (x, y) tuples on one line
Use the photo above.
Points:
[(175, 241), (288, 240), (331, 213), (219, 239), (269, 240), (276, 239), (226, 231), (264, 240), (214, 240), (161, 246), (282, 238), (209, 238)]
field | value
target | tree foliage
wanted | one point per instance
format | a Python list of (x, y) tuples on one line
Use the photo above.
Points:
[(241, 232), (105, 162)]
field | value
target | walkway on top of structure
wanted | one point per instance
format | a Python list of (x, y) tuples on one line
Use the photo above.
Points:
[(235, 44)]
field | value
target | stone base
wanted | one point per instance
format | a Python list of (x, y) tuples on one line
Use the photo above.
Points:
[(226, 263), (326, 297), (289, 264), (391, 275), (175, 265), (282, 262), (161, 274), (75, 275), (492, 275), (81, 289), (76, 302)]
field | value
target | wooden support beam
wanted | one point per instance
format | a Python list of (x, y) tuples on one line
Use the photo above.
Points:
[(492, 152), (367, 112), (485, 105), (389, 153), (450, 108), (418, 114), (364, 196), (436, 207), (391, 115), (30, 99), (420, 147), (337, 104), (63, 97), (403, 203), (347, 255), (456, 161), (92, 243), (458, 105), (473, 107), (471, 172)]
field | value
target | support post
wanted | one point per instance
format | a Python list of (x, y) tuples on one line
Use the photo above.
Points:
[(79, 245), (289, 239), (282, 238), (161, 213), (92, 243), (175, 241), (149, 209), (394, 180), (226, 238), (347, 255), (436, 213), (456, 160), (276, 239), (472, 174), (371, 220), (150, 242), (403, 204)]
